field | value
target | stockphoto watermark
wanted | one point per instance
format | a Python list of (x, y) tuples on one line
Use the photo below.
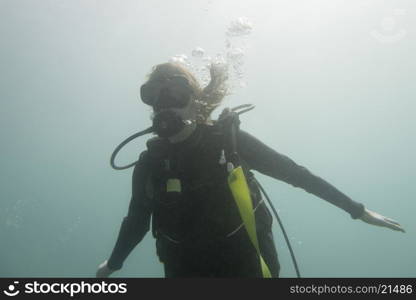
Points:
[(71, 289)]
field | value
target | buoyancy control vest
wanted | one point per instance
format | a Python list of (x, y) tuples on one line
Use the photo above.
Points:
[(192, 202), (170, 190)]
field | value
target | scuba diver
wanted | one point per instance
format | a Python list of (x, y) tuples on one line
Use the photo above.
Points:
[(194, 185)]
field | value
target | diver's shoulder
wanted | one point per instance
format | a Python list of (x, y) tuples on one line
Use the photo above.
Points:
[(217, 128)]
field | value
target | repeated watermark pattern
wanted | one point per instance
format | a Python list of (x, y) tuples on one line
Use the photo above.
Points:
[(390, 31)]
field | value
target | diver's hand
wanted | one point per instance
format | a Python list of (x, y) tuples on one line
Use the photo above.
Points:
[(374, 218), (103, 270)]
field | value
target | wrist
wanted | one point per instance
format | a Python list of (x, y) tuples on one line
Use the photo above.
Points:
[(111, 267)]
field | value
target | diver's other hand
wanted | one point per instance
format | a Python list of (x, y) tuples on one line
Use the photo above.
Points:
[(374, 218), (103, 270)]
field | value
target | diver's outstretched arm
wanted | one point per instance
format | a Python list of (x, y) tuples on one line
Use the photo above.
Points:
[(269, 162), (374, 218)]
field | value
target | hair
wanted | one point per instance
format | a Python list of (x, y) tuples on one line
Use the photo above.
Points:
[(206, 99)]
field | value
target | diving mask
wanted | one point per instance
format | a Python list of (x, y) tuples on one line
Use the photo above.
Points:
[(172, 92)]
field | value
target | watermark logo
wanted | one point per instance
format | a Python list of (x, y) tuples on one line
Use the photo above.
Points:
[(68, 288), (11, 291), (389, 31)]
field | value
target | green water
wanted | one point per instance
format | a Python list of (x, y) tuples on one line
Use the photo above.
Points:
[(333, 84)]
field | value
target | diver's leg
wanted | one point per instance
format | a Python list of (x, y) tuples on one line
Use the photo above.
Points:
[(176, 269), (181, 268), (269, 253), (239, 258), (175, 259), (191, 262)]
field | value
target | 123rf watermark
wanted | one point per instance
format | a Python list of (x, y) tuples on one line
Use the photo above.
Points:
[(389, 31), (381, 289), (70, 289)]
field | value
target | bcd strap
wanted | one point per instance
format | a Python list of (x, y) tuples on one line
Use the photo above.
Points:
[(240, 190)]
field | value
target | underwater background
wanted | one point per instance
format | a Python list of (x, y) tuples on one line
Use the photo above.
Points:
[(334, 87)]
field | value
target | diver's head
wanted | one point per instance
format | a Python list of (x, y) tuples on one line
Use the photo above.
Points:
[(172, 84), (172, 92), (178, 101)]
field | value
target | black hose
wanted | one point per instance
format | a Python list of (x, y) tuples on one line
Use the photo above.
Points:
[(281, 226), (118, 148)]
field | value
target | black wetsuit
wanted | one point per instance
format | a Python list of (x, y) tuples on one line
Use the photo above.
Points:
[(206, 255)]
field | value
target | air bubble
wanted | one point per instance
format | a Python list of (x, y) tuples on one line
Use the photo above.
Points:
[(198, 52), (240, 27), (180, 59), (236, 55)]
